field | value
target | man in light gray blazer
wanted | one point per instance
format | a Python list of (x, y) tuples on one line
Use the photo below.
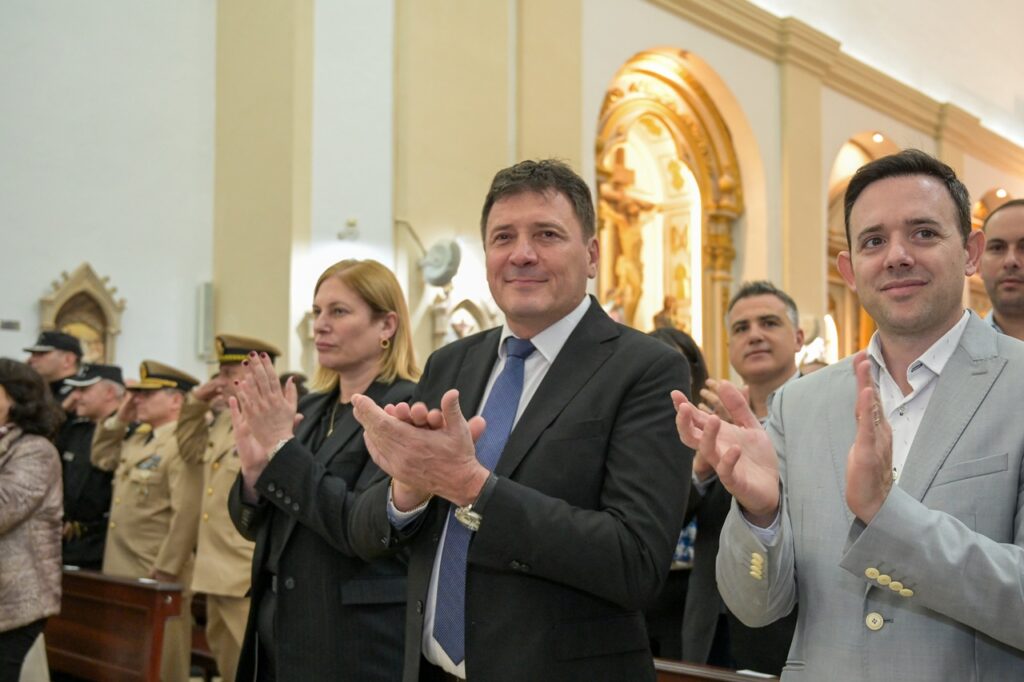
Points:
[(886, 494)]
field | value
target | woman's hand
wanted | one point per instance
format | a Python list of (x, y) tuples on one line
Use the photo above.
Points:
[(262, 415)]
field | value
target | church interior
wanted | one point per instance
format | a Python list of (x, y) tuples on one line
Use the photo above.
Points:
[(179, 169)]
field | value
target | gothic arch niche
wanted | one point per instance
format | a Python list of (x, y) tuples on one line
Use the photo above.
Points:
[(853, 325), (83, 304), (669, 192)]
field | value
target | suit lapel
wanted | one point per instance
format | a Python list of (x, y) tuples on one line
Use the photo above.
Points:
[(965, 381), (579, 360), (475, 371), (842, 428)]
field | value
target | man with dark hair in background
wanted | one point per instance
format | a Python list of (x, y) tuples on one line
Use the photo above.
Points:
[(1002, 267), (764, 337)]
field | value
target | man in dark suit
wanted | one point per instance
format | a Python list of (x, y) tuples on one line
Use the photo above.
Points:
[(533, 552), (764, 337)]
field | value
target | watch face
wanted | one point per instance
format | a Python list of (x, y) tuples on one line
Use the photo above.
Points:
[(468, 518)]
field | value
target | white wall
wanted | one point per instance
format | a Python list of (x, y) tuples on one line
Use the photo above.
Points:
[(615, 30), (353, 149), (107, 137)]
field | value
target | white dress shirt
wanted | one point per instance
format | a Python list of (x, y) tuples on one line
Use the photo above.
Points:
[(904, 412), (548, 344)]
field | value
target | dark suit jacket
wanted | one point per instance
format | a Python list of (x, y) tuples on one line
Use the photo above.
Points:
[(578, 533), (338, 617), (87, 494)]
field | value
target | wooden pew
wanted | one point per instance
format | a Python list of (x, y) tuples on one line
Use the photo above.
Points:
[(677, 671), (109, 628)]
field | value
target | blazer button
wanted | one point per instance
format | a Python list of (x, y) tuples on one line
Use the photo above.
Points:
[(289, 583), (279, 494), (287, 499), (872, 573), (419, 607), (271, 487), (295, 507), (874, 621)]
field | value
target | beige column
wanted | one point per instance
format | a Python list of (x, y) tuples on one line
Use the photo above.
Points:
[(263, 159), (550, 81), (805, 56)]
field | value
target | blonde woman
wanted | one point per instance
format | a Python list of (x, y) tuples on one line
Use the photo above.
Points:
[(318, 612)]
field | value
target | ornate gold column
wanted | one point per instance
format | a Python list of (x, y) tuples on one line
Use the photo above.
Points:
[(718, 257)]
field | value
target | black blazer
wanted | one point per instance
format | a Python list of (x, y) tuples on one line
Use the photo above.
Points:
[(338, 617), (578, 534)]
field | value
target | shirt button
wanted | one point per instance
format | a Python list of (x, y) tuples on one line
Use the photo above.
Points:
[(216, 465), (206, 516), (902, 411), (874, 621), (113, 525), (209, 491), (117, 500), (419, 607)]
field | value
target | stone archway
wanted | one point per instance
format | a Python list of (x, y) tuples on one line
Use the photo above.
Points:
[(656, 98)]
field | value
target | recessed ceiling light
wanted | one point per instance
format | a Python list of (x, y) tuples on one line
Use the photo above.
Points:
[(1001, 193), (878, 138)]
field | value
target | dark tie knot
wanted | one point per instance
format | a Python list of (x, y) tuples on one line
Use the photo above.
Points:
[(518, 348)]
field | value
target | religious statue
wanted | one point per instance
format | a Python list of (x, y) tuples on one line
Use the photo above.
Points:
[(623, 212)]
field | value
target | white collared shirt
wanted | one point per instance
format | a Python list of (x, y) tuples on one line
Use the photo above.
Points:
[(905, 412), (549, 344)]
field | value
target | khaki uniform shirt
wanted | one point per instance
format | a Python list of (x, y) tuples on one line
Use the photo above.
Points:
[(224, 557), (156, 490)]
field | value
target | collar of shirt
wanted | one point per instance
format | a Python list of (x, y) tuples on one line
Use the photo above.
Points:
[(550, 341), (991, 319), (933, 360), (159, 431), (906, 412)]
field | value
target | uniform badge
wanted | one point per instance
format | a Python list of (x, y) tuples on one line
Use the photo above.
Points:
[(150, 463)]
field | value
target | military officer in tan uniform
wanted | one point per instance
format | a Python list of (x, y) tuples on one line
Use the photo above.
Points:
[(223, 557), (157, 479)]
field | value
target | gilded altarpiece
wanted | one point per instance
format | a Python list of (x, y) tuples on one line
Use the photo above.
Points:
[(669, 193)]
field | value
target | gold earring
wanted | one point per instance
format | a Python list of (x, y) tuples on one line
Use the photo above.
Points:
[(385, 343)]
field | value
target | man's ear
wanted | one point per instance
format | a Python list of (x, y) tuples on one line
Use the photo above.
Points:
[(975, 247), (844, 262)]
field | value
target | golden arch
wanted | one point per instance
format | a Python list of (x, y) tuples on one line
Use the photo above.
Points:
[(662, 85)]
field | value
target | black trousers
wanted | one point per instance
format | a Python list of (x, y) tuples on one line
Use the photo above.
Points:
[(14, 645)]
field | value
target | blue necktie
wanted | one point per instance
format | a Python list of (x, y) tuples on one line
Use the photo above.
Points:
[(499, 413)]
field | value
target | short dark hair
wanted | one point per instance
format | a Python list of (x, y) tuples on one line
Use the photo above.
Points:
[(32, 407), (1009, 204), (765, 288), (542, 176), (684, 343), (909, 162)]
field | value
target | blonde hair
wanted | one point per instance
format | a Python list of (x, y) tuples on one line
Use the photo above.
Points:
[(379, 289)]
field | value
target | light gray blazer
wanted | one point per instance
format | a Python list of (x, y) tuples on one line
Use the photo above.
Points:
[(952, 532)]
